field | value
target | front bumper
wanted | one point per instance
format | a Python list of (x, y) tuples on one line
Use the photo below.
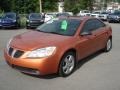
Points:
[(36, 66), (7, 25)]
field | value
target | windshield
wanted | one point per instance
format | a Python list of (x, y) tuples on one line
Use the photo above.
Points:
[(104, 13), (35, 16), (62, 14), (65, 27), (115, 13), (96, 12), (10, 15), (86, 12)]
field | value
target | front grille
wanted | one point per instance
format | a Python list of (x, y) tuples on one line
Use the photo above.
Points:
[(15, 53), (18, 54), (10, 51)]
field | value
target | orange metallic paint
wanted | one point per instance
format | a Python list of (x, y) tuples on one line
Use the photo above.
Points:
[(83, 45)]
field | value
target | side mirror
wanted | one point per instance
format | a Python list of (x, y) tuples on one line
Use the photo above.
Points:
[(86, 33)]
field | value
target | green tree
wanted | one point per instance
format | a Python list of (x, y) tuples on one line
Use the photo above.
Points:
[(49, 5), (76, 5), (27, 6), (5, 5)]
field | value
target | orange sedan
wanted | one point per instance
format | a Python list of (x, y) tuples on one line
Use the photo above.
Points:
[(57, 45)]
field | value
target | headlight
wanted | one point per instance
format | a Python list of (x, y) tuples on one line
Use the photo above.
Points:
[(42, 52), (41, 20), (117, 17), (8, 44), (27, 20), (14, 20), (31, 21)]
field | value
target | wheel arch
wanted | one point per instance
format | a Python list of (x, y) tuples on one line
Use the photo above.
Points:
[(68, 50)]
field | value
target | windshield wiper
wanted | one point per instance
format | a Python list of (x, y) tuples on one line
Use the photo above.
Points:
[(41, 31), (56, 33), (49, 32)]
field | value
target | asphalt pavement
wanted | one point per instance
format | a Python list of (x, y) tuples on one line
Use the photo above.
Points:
[(100, 71)]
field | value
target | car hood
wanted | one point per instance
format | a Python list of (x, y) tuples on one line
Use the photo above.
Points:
[(103, 14), (33, 40), (95, 14)]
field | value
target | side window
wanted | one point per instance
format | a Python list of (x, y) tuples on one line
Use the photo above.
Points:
[(98, 24), (88, 26)]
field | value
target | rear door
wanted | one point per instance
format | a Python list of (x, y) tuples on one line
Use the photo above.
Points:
[(100, 34), (86, 43)]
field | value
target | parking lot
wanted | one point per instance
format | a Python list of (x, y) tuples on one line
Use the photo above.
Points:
[(97, 72)]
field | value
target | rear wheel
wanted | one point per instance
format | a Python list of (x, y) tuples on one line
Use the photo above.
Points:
[(67, 64), (108, 46)]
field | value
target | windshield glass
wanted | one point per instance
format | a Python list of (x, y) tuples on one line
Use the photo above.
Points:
[(96, 12), (10, 15), (65, 27), (104, 13), (86, 12), (62, 14), (115, 13), (35, 16)]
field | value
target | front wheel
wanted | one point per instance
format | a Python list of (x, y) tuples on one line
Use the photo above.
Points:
[(108, 46), (67, 64)]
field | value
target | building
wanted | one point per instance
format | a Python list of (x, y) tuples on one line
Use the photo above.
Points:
[(113, 6), (61, 6)]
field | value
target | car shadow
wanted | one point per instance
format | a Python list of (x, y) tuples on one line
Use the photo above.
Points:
[(79, 64), (50, 76), (87, 59), (10, 28)]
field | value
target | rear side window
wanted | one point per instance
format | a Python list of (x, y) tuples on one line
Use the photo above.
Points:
[(92, 25), (88, 26), (98, 24)]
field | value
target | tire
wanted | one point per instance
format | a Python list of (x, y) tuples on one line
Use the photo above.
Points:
[(67, 64), (108, 45)]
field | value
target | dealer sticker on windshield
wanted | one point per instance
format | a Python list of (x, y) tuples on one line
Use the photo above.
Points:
[(64, 25)]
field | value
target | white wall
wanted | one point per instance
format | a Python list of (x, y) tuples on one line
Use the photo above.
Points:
[(60, 6)]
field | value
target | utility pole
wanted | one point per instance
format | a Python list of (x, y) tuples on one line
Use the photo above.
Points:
[(40, 6)]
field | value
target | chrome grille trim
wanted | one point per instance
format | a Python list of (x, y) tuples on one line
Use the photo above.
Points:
[(14, 53)]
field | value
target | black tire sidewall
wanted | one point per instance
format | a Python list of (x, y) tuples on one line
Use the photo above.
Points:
[(107, 50)]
